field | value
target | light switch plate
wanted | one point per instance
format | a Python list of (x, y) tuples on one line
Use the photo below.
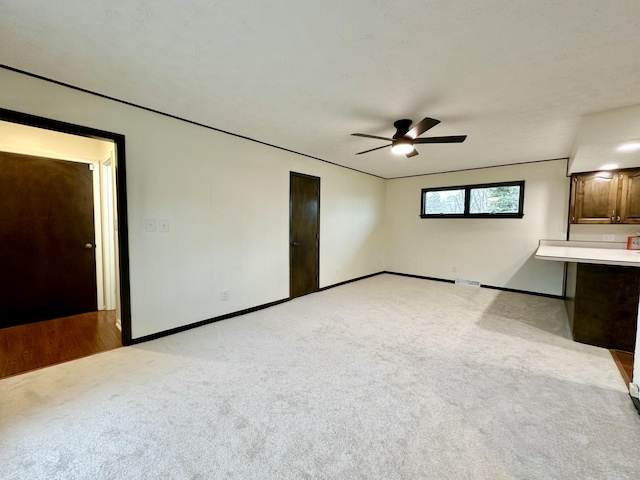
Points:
[(150, 224), (163, 225)]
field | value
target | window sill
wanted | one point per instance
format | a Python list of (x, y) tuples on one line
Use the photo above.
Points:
[(476, 215)]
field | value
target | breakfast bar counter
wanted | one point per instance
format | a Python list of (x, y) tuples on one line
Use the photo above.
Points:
[(600, 253), (602, 290)]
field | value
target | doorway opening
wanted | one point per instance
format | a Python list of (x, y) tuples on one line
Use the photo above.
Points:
[(65, 189)]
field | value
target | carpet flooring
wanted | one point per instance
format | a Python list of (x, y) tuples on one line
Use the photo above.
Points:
[(385, 378)]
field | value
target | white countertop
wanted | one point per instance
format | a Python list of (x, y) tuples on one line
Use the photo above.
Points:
[(587, 252)]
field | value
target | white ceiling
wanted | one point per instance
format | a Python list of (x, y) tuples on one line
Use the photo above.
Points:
[(515, 76)]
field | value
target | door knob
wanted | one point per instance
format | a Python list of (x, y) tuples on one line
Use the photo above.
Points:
[(88, 246), (295, 244)]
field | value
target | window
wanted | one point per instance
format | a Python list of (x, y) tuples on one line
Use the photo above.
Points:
[(490, 200)]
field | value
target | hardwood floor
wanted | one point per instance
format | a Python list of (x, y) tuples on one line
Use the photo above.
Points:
[(42, 344), (624, 361)]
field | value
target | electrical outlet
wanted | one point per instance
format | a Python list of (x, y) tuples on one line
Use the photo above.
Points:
[(150, 224), (454, 269), (163, 225), (608, 238), (224, 295)]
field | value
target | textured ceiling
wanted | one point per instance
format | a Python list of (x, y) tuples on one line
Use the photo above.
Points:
[(515, 76)]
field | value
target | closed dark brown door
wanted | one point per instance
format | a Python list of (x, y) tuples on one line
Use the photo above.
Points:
[(304, 208), (47, 257)]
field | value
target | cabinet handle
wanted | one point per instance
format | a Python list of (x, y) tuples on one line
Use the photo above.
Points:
[(618, 219), (613, 215)]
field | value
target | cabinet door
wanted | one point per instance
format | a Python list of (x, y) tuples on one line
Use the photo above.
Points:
[(630, 198), (594, 198)]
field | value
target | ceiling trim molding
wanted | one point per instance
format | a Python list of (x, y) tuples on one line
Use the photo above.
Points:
[(175, 117), (483, 168)]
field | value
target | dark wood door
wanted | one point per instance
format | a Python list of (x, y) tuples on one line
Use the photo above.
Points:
[(47, 259), (304, 209), (630, 197), (594, 198)]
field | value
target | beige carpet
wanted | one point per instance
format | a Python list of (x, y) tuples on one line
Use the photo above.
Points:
[(385, 378)]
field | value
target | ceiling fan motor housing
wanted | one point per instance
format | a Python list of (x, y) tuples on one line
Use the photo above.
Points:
[(402, 127)]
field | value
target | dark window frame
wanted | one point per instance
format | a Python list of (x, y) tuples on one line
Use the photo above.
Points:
[(467, 201)]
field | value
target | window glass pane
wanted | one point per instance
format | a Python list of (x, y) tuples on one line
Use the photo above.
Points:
[(444, 202), (505, 199)]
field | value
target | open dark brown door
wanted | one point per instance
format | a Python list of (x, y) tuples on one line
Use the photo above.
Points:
[(304, 208), (47, 258)]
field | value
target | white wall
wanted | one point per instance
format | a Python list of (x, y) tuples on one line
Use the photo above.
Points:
[(227, 201), (497, 252), (602, 233)]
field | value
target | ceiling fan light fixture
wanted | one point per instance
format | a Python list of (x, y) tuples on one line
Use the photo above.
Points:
[(402, 147)]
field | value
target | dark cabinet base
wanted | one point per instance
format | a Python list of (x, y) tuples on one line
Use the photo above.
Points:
[(602, 303)]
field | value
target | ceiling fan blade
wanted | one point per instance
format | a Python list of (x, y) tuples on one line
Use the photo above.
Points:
[(370, 136), (451, 139), (373, 149), (413, 153), (422, 126)]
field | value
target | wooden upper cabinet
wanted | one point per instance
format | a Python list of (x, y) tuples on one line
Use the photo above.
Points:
[(594, 197), (630, 197), (606, 197)]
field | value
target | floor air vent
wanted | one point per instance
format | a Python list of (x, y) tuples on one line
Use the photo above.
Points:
[(468, 283)]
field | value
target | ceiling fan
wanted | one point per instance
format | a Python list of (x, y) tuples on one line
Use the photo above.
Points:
[(402, 143)]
